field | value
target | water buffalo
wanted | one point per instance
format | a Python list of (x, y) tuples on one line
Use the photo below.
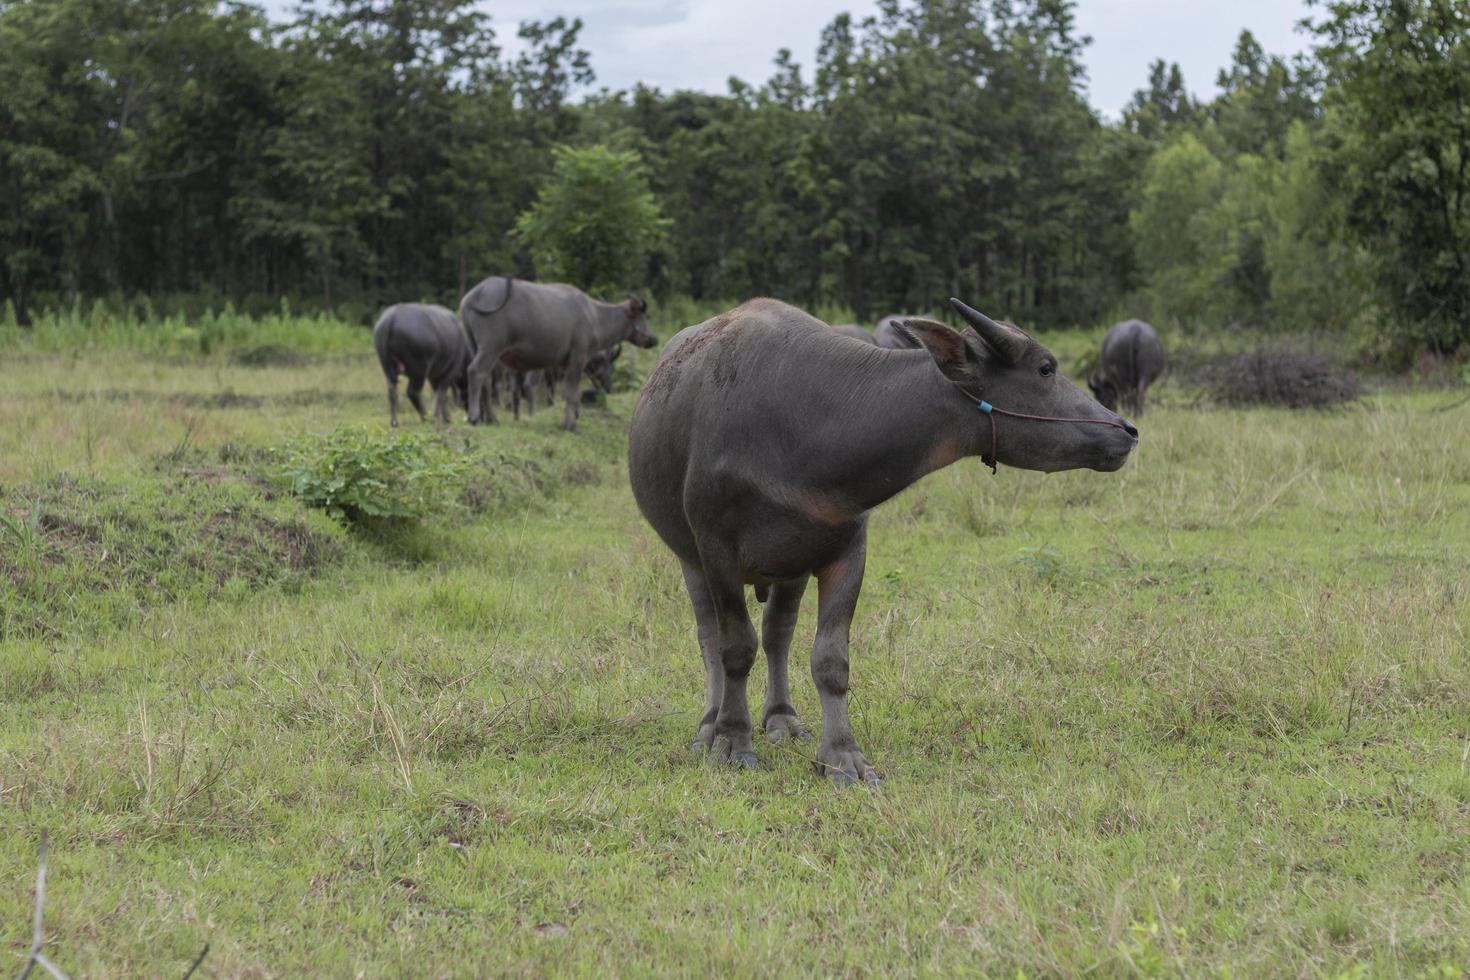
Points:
[(889, 333), (762, 440), (600, 367), (530, 326), (426, 343), (508, 388), (854, 331), (1132, 357)]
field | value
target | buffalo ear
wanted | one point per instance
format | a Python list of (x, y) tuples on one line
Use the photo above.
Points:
[(957, 356)]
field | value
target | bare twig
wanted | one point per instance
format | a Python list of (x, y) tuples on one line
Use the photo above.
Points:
[(197, 960), (38, 958)]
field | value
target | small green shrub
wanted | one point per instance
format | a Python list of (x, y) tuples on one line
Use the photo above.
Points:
[(1044, 563), (354, 473)]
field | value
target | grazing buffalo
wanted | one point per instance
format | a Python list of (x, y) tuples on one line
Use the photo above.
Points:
[(762, 440), (600, 367), (1132, 358), (854, 331), (534, 326), (426, 343), (509, 388), (889, 333)]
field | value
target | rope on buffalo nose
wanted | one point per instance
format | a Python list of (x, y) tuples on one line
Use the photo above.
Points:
[(990, 413)]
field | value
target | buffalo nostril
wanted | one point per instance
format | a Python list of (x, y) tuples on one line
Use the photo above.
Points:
[(1129, 428)]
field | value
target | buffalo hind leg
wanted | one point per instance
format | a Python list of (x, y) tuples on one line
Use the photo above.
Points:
[(838, 585), (777, 625), (709, 639), (393, 401), (734, 652), (416, 394), (481, 408), (570, 385)]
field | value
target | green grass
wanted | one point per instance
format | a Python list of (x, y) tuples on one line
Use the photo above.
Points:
[(1207, 715)]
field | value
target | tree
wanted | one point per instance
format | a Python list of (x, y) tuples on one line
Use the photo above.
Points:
[(1164, 108), (1181, 250), (1399, 104), (49, 172), (1314, 272), (594, 220), (1260, 98)]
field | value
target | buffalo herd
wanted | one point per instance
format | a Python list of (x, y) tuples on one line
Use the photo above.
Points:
[(510, 337)]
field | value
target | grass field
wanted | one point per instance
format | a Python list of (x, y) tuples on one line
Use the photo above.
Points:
[(1209, 715)]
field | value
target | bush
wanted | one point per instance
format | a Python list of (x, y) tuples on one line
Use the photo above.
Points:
[(1279, 377), (354, 474)]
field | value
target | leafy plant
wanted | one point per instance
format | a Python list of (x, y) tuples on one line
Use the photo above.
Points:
[(1044, 563), (25, 534), (354, 473)]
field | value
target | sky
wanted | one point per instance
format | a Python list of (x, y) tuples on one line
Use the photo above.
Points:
[(699, 44)]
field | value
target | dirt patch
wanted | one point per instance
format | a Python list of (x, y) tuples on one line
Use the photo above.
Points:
[(269, 355)]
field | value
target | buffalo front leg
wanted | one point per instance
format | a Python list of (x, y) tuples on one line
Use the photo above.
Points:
[(441, 404), (574, 403), (777, 625), (416, 395), (838, 585)]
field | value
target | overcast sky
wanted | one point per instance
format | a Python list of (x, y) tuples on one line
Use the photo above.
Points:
[(699, 44)]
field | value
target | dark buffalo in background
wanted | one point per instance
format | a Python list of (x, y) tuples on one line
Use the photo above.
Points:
[(1132, 359), (426, 343)]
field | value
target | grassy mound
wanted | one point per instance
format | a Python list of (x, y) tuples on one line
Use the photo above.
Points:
[(83, 554)]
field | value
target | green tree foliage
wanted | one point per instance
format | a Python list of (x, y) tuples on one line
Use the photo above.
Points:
[(1183, 250), (1401, 100), (1314, 278), (1260, 97), (595, 220), (194, 152), (1164, 108)]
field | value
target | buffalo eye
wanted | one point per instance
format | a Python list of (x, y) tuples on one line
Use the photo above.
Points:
[(1048, 369)]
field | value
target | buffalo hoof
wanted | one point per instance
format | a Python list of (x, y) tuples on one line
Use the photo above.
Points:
[(729, 752), (846, 768), (704, 740), (780, 728)]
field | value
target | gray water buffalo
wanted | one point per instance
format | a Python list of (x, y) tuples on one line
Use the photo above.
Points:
[(854, 331), (600, 367), (426, 343), (889, 333), (509, 388), (762, 440), (533, 326), (1132, 358)]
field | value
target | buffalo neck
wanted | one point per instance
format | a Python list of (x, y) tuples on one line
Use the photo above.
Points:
[(609, 325), (903, 421)]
